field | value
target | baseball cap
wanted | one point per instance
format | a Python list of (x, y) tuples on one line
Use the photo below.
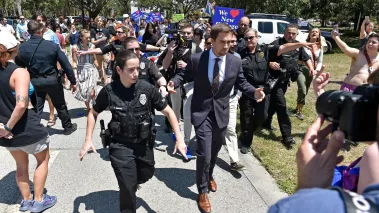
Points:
[(125, 16), (8, 40)]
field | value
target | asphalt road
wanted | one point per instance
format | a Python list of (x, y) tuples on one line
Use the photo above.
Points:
[(90, 185)]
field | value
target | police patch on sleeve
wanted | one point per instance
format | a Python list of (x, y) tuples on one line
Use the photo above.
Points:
[(142, 65), (142, 99)]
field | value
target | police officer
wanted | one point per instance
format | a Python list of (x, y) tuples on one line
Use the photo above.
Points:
[(243, 25), (148, 70), (283, 69), (130, 101), (40, 57), (255, 58)]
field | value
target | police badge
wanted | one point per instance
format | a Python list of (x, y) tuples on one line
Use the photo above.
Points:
[(142, 99), (261, 54), (142, 65)]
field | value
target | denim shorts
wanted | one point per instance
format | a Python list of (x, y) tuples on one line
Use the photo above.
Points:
[(33, 148)]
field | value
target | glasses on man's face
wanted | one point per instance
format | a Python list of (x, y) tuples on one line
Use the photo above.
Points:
[(120, 32), (134, 49), (186, 33), (208, 43), (249, 38)]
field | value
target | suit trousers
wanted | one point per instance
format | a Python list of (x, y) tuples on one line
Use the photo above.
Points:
[(252, 116), (176, 102), (187, 112), (231, 141), (132, 164), (55, 91), (209, 142), (278, 104)]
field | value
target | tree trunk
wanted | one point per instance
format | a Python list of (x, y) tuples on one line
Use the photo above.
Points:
[(18, 3)]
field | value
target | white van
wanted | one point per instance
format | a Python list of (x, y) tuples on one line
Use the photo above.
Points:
[(270, 29)]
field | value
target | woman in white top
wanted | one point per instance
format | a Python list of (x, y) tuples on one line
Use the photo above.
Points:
[(305, 78)]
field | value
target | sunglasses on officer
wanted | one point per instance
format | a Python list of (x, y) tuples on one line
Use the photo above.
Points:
[(250, 38)]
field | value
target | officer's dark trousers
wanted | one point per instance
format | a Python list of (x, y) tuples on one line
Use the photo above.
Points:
[(132, 164), (209, 141), (252, 116), (278, 105), (56, 94)]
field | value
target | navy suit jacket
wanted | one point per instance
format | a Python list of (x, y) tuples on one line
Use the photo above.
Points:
[(203, 99)]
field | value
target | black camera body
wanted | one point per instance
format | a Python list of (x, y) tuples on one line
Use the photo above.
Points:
[(354, 113), (288, 74), (180, 42)]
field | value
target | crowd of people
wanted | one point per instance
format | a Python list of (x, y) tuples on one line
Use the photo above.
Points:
[(194, 71)]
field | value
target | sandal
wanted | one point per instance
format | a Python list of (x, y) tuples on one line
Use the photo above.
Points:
[(51, 122)]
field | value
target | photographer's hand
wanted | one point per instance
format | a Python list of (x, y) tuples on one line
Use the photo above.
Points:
[(181, 64), (321, 80), (171, 87), (274, 66), (171, 47), (317, 156)]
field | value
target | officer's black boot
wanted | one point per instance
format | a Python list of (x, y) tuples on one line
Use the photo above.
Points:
[(288, 142)]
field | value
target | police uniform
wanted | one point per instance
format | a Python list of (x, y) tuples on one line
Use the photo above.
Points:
[(256, 71), (148, 71), (131, 146), (288, 63)]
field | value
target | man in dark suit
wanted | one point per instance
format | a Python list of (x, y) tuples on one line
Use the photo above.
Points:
[(214, 72)]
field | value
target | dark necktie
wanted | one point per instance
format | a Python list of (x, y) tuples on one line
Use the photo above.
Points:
[(216, 76)]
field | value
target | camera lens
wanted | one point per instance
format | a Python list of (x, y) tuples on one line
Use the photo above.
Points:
[(331, 102)]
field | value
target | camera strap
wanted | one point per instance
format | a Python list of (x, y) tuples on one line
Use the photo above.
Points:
[(31, 59), (370, 68), (355, 202)]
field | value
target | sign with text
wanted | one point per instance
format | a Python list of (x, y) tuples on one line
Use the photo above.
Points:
[(154, 16), (228, 16), (137, 15), (177, 17)]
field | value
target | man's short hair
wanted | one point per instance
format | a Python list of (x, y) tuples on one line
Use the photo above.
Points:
[(185, 26), (220, 28), (34, 27), (292, 26), (234, 33), (130, 40)]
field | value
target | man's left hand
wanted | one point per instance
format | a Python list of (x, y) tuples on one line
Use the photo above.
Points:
[(73, 88), (259, 94), (317, 156)]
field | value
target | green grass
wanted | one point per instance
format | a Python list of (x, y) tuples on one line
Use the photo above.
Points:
[(280, 162)]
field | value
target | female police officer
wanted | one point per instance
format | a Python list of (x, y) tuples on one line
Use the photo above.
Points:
[(130, 101), (255, 59)]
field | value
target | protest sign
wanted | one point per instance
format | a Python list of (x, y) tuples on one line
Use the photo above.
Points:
[(228, 16), (177, 17)]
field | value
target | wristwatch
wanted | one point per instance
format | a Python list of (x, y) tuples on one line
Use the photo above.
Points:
[(7, 128)]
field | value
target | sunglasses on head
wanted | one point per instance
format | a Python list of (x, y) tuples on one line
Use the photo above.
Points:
[(134, 49), (249, 38)]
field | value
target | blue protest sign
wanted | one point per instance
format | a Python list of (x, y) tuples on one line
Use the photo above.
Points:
[(137, 15), (154, 16), (228, 16)]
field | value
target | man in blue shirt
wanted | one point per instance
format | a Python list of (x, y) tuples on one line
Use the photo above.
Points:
[(22, 30)]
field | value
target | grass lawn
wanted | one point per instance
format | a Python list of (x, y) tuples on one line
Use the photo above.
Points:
[(280, 162)]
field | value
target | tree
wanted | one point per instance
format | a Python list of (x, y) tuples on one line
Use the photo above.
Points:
[(93, 7)]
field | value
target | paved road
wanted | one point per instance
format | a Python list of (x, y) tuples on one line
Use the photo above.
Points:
[(90, 185)]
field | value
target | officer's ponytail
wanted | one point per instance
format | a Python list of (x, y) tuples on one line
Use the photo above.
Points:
[(122, 57)]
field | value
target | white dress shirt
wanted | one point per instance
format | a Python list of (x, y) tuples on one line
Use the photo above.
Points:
[(221, 65)]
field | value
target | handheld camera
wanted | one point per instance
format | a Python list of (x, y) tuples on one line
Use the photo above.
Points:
[(353, 113)]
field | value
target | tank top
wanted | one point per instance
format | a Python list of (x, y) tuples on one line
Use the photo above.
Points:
[(28, 129)]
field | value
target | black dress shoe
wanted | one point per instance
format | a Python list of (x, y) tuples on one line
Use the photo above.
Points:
[(288, 142), (69, 131), (244, 150)]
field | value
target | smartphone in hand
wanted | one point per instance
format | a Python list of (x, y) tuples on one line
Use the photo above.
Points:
[(335, 29), (367, 18)]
